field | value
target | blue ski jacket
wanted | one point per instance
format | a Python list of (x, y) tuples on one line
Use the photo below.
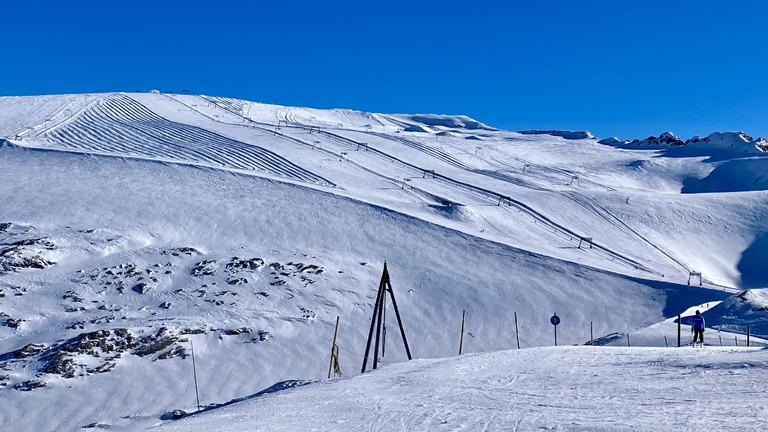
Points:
[(698, 322)]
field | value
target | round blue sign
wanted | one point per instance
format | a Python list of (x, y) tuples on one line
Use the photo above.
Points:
[(555, 320)]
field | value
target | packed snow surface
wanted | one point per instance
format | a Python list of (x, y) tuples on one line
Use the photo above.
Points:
[(133, 226), (567, 388)]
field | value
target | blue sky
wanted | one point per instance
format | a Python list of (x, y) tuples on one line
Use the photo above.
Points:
[(629, 69)]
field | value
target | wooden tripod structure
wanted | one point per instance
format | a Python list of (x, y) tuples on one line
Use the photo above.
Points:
[(377, 320)]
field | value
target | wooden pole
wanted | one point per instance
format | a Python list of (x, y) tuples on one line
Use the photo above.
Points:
[(747, 335), (721, 339), (333, 345), (736, 340), (517, 332), (461, 339), (591, 334), (628, 340), (666, 341), (679, 331)]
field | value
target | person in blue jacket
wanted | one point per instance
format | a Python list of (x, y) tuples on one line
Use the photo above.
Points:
[(698, 325)]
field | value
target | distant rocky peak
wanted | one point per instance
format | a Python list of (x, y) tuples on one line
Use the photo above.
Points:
[(723, 140), (666, 138)]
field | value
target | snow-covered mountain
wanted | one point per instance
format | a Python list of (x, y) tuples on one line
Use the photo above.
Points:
[(133, 225)]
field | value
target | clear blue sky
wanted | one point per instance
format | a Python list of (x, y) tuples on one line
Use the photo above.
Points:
[(614, 67)]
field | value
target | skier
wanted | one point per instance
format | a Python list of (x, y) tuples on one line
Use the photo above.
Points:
[(698, 325)]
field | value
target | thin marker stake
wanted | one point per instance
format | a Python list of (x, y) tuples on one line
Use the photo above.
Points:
[(194, 373)]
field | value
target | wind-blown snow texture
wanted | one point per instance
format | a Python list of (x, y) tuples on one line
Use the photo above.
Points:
[(133, 225)]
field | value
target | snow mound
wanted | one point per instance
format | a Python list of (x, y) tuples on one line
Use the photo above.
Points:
[(567, 134), (613, 141)]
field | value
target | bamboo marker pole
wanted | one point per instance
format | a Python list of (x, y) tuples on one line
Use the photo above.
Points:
[(679, 331), (591, 334), (461, 339), (747, 335), (666, 341), (628, 340), (517, 332), (333, 346)]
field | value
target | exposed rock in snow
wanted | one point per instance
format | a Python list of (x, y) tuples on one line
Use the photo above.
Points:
[(561, 133), (761, 144)]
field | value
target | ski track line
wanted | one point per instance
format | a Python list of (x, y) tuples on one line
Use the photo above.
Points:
[(121, 125)]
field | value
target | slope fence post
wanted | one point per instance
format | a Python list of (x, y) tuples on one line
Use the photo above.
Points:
[(334, 348), (194, 373), (461, 339)]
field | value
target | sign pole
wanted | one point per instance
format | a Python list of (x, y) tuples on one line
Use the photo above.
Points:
[(555, 320)]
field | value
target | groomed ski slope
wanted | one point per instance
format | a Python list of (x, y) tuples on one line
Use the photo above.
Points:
[(558, 389)]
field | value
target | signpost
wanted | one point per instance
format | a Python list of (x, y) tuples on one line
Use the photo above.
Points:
[(555, 320)]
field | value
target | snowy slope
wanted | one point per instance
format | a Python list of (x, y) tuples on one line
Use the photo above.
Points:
[(573, 389), (134, 224)]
